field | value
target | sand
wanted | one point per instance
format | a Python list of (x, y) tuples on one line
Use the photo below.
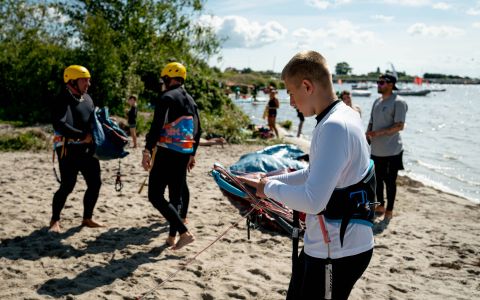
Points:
[(429, 250)]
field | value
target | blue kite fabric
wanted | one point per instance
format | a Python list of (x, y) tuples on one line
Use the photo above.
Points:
[(110, 140), (273, 158)]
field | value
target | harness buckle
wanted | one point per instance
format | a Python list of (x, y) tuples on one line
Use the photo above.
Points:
[(295, 232)]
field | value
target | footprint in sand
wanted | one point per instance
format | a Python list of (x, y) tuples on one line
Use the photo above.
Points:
[(260, 273)]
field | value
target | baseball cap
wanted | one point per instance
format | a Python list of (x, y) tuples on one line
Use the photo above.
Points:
[(389, 79)]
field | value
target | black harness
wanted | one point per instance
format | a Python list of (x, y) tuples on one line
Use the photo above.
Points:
[(354, 203)]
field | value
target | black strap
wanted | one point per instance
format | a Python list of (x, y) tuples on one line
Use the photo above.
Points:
[(295, 239)]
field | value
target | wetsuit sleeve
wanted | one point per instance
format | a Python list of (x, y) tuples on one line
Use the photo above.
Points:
[(159, 118), (293, 178), (325, 171), (198, 133), (60, 124)]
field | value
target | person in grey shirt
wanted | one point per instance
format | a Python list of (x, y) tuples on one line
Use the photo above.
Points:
[(387, 119)]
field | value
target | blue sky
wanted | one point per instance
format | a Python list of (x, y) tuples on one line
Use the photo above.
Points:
[(417, 36)]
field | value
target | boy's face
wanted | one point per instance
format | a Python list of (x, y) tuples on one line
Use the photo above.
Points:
[(300, 95)]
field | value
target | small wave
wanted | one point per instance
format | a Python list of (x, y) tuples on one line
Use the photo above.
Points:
[(447, 172), (450, 157), (439, 186)]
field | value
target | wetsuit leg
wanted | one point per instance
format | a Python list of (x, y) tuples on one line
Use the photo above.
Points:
[(90, 168), (345, 272), (296, 281), (176, 185), (391, 184), (163, 174), (185, 200), (68, 174)]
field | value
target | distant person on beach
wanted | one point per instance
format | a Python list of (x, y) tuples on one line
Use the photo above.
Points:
[(132, 119), (339, 165), (273, 105), (387, 119), (301, 117), (172, 143), (73, 117), (347, 99)]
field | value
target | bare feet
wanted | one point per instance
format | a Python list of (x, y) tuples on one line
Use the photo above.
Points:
[(55, 226), (91, 224), (185, 239), (170, 241), (388, 214)]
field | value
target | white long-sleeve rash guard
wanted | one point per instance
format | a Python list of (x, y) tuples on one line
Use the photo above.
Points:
[(339, 157)]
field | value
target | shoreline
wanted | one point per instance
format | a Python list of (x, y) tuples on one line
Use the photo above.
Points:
[(304, 144)]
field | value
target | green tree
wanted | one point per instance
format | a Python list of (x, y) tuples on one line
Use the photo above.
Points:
[(343, 68)]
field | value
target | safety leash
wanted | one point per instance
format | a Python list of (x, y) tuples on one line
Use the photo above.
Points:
[(328, 265), (189, 261), (254, 207), (118, 180)]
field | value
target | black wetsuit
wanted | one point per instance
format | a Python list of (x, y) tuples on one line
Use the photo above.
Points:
[(170, 167), (73, 119)]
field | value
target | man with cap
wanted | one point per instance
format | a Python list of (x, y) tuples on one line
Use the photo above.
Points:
[(387, 119), (73, 117)]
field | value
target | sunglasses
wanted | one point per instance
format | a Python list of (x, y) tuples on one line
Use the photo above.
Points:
[(382, 82)]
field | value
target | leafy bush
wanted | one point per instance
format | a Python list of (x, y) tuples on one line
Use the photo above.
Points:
[(287, 124), (34, 140)]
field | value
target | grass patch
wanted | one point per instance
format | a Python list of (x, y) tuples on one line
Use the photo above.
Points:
[(28, 140)]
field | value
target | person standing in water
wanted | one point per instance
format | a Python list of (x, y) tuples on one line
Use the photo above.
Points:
[(347, 99), (273, 105), (172, 141), (73, 117)]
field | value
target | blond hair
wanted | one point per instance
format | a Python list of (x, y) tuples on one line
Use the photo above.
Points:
[(308, 65)]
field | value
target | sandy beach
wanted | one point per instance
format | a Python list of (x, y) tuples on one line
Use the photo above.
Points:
[(429, 250)]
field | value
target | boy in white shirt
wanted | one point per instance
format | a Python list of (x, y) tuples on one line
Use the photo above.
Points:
[(339, 159)]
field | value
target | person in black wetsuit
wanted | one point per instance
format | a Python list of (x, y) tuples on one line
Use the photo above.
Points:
[(174, 138), (132, 119), (73, 122)]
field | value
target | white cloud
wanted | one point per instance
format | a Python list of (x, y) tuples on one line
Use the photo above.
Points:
[(239, 32), (382, 18), (323, 4), (473, 11), (434, 31), (343, 32), (409, 2), (441, 6), (476, 25)]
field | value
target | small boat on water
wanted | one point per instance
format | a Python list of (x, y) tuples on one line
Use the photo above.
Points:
[(361, 93), (362, 86), (410, 92)]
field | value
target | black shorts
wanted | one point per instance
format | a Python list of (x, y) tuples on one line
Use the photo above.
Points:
[(394, 162)]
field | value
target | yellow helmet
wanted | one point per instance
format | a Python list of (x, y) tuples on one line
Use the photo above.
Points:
[(174, 69), (74, 72)]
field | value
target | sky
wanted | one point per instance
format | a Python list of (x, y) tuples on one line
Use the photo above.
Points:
[(416, 36)]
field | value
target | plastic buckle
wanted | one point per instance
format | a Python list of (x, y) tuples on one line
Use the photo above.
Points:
[(295, 233)]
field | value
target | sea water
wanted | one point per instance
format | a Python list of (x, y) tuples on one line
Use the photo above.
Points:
[(441, 137)]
